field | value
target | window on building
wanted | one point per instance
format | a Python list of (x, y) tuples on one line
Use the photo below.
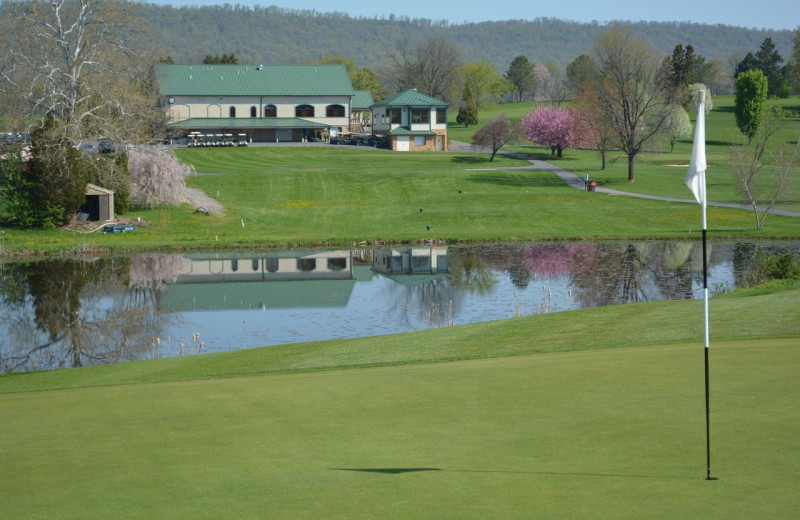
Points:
[(419, 140), (420, 116), (272, 264), (306, 264), (270, 111), (334, 111), (253, 112), (304, 111), (232, 112), (441, 116), (397, 116), (337, 264)]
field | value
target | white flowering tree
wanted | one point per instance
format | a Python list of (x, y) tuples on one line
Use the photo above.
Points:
[(157, 177)]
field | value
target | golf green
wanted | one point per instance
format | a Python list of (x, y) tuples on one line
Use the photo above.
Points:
[(615, 433)]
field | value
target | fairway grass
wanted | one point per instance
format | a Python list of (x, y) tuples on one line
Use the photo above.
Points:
[(615, 433)]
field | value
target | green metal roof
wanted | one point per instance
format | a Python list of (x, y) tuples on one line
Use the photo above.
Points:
[(249, 80), (405, 131), (256, 295), (411, 98), (362, 100), (233, 123)]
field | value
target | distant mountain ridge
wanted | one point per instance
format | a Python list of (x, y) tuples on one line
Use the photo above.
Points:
[(273, 35)]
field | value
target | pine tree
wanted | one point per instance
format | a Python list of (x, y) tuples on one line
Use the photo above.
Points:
[(468, 113)]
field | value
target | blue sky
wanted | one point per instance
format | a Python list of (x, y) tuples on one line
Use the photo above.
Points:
[(766, 14)]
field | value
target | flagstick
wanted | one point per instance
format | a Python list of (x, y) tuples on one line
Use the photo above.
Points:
[(705, 334), (696, 181)]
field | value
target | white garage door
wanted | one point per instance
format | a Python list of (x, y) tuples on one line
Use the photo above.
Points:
[(403, 143)]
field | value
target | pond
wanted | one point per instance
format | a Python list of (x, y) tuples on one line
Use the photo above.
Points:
[(70, 312)]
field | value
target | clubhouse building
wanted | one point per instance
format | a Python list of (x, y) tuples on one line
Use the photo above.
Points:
[(293, 103)]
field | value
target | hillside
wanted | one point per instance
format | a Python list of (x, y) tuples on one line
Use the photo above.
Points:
[(271, 35)]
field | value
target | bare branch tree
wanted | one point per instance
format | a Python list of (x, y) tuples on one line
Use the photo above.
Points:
[(762, 185), (495, 134), (431, 67), (629, 95), (74, 60)]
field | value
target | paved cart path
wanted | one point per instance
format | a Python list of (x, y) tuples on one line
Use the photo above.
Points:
[(577, 182)]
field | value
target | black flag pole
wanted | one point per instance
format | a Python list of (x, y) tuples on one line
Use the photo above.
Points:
[(696, 181)]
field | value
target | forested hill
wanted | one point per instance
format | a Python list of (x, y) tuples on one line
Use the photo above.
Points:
[(272, 35)]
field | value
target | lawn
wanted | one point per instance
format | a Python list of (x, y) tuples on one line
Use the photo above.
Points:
[(599, 420), (277, 196), (659, 171)]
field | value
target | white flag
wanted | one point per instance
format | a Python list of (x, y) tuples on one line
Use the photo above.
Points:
[(696, 176)]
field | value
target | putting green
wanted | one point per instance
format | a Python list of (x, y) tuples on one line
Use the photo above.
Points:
[(613, 433)]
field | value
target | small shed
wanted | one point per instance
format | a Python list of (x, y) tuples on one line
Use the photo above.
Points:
[(99, 203)]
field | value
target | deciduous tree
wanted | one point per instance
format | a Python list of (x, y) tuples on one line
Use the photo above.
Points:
[(677, 125), (751, 96), (764, 176), (495, 134), (630, 97), (431, 67), (366, 79), (551, 126), (483, 79), (73, 60), (157, 177)]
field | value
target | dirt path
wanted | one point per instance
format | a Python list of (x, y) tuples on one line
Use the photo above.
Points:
[(199, 199)]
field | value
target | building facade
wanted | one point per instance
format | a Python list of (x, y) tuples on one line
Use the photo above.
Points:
[(265, 103), (411, 121)]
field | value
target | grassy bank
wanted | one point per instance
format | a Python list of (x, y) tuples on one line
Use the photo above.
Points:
[(591, 414), (333, 196)]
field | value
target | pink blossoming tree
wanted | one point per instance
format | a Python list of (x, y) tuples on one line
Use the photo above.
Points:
[(556, 127)]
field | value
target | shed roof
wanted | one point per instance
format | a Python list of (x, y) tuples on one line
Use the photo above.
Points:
[(411, 98), (93, 189), (249, 80)]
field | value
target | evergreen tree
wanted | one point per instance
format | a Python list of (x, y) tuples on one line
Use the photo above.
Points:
[(521, 74), (50, 188), (468, 113), (794, 66), (768, 60), (225, 59)]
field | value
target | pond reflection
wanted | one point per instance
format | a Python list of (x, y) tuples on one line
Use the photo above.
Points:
[(71, 313)]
